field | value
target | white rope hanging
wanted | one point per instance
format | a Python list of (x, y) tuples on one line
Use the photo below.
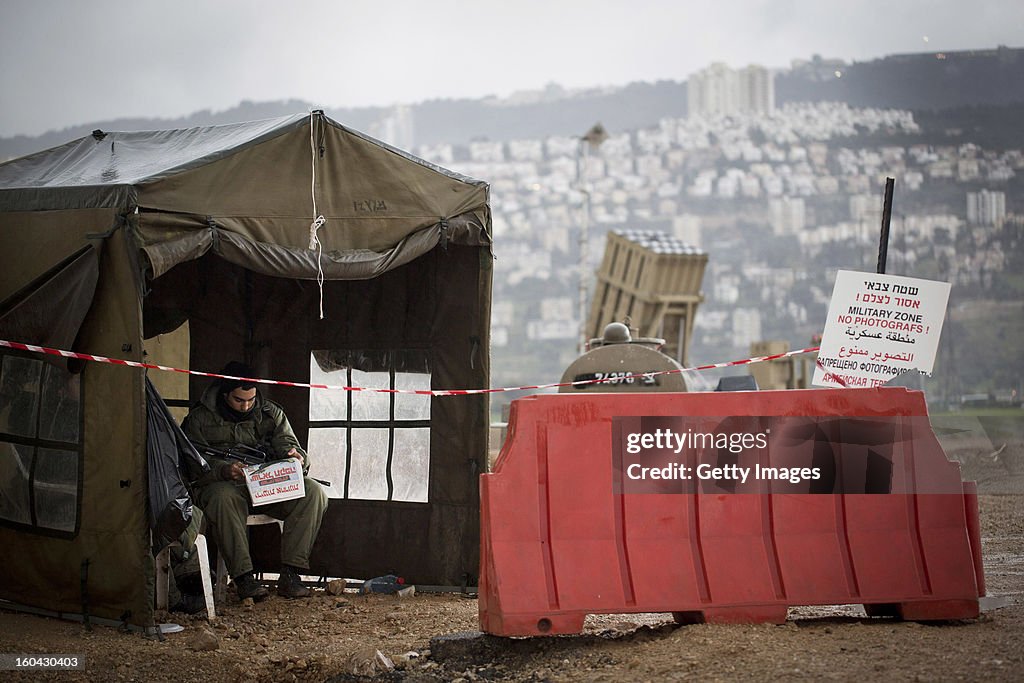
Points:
[(318, 219)]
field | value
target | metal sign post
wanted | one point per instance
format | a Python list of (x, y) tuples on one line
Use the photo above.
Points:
[(883, 242)]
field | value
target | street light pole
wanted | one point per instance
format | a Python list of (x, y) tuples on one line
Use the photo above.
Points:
[(587, 143), (584, 243)]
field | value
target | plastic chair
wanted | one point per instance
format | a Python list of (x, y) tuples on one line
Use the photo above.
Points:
[(222, 571), (163, 575)]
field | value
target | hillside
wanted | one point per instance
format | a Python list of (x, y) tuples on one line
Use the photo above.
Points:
[(914, 81), (925, 82)]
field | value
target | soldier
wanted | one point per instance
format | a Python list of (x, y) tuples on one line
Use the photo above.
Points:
[(232, 413)]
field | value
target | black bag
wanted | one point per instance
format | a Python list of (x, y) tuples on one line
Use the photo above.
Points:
[(170, 503)]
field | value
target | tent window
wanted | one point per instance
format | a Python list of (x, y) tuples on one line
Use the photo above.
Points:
[(40, 444), (371, 445)]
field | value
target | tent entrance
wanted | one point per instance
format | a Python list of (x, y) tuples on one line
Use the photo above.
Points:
[(403, 468)]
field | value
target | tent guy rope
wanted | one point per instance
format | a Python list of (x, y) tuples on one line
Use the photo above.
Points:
[(318, 219), (423, 392)]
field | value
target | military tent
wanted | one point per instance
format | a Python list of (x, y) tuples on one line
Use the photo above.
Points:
[(297, 245)]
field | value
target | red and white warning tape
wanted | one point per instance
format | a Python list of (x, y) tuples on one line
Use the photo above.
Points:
[(426, 392)]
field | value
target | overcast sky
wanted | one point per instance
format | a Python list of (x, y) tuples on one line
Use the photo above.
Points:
[(70, 62)]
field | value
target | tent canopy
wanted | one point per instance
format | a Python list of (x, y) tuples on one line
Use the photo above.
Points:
[(248, 190)]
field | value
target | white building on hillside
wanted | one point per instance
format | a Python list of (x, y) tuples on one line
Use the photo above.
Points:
[(721, 90), (985, 207)]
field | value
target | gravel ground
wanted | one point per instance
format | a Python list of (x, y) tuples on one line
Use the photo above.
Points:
[(430, 637)]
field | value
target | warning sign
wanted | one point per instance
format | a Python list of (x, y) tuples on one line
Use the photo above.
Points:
[(879, 326)]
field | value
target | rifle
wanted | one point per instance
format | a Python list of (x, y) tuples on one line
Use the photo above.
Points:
[(247, 455)]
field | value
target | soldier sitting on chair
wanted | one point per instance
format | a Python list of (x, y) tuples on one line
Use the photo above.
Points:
[(232, 413)]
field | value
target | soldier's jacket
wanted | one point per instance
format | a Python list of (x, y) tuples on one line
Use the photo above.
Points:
[(266, 427)]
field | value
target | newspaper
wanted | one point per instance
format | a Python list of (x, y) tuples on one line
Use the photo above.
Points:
[(275, 481)]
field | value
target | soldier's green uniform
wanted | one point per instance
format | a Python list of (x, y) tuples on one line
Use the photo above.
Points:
[(226, 503)]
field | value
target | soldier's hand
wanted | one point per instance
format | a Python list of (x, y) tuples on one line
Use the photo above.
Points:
[(233, 471), (294, 453)]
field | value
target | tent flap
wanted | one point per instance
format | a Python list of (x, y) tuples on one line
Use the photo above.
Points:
[(185, 246), (188, 242), (49, 311)]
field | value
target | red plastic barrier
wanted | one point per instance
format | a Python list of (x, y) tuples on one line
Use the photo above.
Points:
[(558, 542)]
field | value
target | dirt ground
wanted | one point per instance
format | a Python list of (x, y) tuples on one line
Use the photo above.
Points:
[(428, 638)]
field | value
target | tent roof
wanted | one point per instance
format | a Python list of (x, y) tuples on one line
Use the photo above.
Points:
[(300, 196), (135, 157), (103, 169)]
